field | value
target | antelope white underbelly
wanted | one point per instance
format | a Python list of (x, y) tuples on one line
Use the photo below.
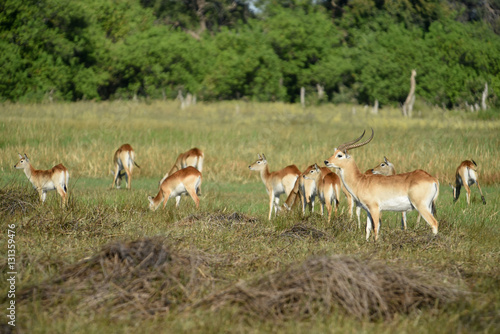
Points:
[(179, 190), (401, 203), (278, 190)]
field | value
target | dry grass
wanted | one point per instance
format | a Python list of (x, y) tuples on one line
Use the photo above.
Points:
[(139, 278), (365, 289)]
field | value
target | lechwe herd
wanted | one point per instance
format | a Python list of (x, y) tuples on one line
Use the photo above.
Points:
[(378, 189)]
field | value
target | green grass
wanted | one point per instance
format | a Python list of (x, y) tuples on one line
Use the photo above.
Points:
[(83, 136)]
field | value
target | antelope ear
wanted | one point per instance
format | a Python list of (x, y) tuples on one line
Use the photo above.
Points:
[(264, 157), (20, 156), (26, 156), (474, 162), (258, 156), (386, 161)]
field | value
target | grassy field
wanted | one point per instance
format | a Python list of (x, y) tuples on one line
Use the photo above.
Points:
[(107, 264)]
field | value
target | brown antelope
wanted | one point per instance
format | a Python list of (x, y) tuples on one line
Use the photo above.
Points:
[(194, 157), (277, 183), (375, 193), (385, 168), (305, 189), (328, 187), (46, 180), (184, 181), (466, 175), (124, 160)]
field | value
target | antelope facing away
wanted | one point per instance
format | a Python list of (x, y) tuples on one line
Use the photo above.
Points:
[(277, 183), (466, 175), (46, 180), (328, 187), (124, 161), (194, 157), (304, 189), (184, 181), (375, 193)]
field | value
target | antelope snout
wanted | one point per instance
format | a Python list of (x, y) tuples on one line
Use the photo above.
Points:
[(326, 162)]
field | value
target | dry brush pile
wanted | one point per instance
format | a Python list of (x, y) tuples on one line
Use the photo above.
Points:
[(361, 288), (140, 278), (149, 276)]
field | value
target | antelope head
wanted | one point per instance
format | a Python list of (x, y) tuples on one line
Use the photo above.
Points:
[(259, 164), (340, 157)]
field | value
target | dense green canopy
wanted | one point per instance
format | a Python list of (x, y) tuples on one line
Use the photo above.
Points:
[(263, 50)]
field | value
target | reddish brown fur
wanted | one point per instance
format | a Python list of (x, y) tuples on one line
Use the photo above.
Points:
[(185, 181), (43, 181)]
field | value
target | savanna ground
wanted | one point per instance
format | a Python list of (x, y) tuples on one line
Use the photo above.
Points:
[(107, 264)]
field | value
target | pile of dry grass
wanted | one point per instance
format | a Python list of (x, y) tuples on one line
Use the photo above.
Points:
[(365, 289), (139, 278), (219, 218), (302, 231)]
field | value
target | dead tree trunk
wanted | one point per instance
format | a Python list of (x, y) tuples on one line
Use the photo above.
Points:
[(375, 108), (410, 100), (485, 95), (321, 91), (303, 96)]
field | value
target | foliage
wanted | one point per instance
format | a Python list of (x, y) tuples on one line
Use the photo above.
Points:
[(356, 51)]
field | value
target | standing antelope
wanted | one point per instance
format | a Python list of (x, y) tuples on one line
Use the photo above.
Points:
[(466, 175), (305, 189), (184, 181), (124, 160), (328, 187), (194, 157), (277, 182), (401, 192), (385, 168), (46, 180)]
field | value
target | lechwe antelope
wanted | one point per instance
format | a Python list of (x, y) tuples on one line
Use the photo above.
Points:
[(277, 183), (305, 190), (466, 175), (375, 193), (328, 184), (124, 160), (194, 157), (46, 180), (184, 181)]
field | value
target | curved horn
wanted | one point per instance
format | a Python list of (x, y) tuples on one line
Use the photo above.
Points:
[(342, 146), (354, 145)]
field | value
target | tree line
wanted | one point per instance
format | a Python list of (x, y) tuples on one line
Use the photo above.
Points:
[(264, 50)]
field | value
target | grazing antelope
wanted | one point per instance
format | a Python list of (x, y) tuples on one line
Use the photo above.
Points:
[(184, 181), (194, 157), (124, 160), (466, 175), (46, 180), (328, 187), (305, 189), (277, 183), (375, 193)]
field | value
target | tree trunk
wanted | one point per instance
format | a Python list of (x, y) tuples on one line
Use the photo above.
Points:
[(410, 100), (485, 95)]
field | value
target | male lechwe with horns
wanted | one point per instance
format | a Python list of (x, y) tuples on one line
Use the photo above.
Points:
[(375, 193)]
